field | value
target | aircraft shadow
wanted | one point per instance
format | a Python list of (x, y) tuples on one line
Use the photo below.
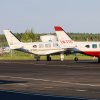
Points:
[(88, 62), (11, 82)]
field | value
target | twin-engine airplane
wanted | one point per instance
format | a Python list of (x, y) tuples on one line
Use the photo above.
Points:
[(36, 48), (63, 45), (87, 48)]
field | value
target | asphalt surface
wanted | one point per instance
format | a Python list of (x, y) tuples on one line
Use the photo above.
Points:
[(68, 78)]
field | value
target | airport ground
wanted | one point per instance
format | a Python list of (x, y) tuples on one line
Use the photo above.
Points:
[(67, 78)]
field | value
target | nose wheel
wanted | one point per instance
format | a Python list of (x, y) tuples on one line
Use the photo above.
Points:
[(76, 59), (62, 56)]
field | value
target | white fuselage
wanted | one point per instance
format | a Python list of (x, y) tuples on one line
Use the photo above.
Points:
[(40, 48), (36, 48), (88, 48)]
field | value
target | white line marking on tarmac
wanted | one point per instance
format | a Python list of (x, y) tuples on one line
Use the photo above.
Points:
[(22, 84), (31, 63), (48, 87), (81, 90), (18, 63), (45, 80)]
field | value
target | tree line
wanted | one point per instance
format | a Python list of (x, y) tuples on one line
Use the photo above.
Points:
[(30, 36)]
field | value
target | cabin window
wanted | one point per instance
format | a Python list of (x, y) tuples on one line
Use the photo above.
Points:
[(94, 45), (47, 45), (34, 46), (55, 44), (41, 46), (88, 46), (50, 40)]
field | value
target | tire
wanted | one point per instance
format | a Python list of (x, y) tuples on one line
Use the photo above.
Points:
[(98, 59), (76, 59), (48, 58)]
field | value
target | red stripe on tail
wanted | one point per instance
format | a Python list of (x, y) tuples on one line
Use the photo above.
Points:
[(58, 28)]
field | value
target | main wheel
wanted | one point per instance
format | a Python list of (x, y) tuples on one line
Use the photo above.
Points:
[(48, 58), (37, 58), (98, 59)]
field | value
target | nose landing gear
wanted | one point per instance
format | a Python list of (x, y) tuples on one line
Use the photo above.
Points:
[(62, 56), (76, 59)]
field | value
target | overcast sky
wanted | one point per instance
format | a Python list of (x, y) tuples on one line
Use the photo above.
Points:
[(43, 15)]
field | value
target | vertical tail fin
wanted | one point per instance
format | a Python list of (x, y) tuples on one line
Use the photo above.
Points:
[(63, 37), (11, 39)]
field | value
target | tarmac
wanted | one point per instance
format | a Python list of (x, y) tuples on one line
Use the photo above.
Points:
[(58, 78)]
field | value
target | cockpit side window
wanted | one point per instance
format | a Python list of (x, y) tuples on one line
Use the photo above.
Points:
[(34, 46), (88, 46)]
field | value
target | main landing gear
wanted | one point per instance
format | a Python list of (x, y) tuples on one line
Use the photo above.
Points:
[(37, 58), (48, 58), (98, 59), (76, 58)]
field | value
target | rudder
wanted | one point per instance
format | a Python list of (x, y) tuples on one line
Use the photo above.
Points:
[(11, 39)]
